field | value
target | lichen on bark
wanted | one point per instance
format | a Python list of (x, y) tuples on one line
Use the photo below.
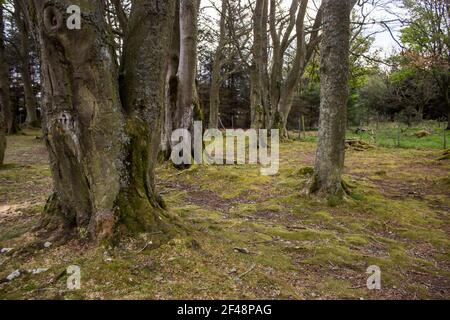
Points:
[(102, 136), (334, 75)]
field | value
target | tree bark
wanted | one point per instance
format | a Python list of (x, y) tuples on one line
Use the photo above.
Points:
[(171, 88), (216, 77), (184, 115), (5, 95), (30, 98), (2, 136), (334, 75), (260, 108), (103, 140), (303, 55), (121, 15)]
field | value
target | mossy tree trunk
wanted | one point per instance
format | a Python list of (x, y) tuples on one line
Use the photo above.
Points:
[(334, 75), (30, 98), (103, 140)]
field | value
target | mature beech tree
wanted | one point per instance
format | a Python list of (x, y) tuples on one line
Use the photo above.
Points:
[(334, 93), (102, 135)]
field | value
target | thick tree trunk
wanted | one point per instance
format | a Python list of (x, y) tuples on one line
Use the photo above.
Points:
[(30, 98), (5, 95), (184, 115), (216, 77), (334, 76), (102, 143)]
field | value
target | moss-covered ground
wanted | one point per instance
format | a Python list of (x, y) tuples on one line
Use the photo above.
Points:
[(252, 237)]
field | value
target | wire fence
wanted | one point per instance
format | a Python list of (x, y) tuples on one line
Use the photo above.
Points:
[(426, 135)]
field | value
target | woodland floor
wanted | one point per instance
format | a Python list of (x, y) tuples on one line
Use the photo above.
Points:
[(253, 237)]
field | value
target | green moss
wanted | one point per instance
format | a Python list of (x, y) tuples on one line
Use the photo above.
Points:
[(356, 240), (322, 216), (334, 201)]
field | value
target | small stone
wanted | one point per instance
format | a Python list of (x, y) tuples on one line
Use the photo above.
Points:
[(242, 250), (38, 270), (6, 250), (13, 275), (48, 244)]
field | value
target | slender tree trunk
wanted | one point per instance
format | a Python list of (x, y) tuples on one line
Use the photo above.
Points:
[(184, 115), (214, 103), (216, 77), (447, 104), (303, 55), (2, 136), (258, 77), (334, 77), (5, 95), (171, 87), (264, 69), (103, 143), (30, 98), (257, 108), (284, 103), (448, 116)]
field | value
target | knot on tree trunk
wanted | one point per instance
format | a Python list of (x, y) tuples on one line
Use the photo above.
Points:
[(53, 19)]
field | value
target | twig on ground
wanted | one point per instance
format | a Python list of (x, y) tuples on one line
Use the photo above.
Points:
[(247, 272)]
